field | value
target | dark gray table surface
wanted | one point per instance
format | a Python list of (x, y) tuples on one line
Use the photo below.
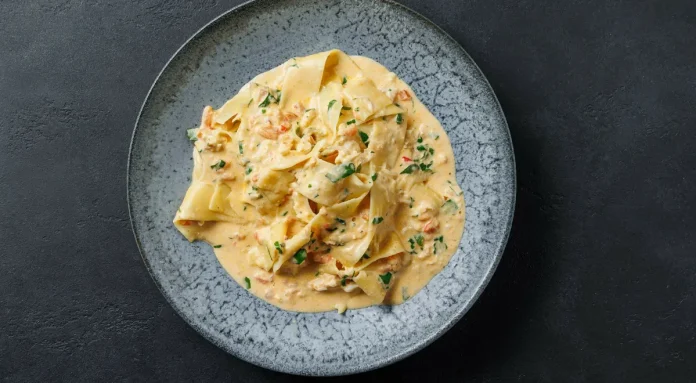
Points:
[(598, 279)]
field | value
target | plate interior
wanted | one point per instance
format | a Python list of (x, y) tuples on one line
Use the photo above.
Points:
[(209, 69)]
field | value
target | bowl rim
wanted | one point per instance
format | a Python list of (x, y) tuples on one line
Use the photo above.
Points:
[(377, 363)]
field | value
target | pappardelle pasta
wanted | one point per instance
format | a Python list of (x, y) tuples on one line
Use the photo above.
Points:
[(325, 184)]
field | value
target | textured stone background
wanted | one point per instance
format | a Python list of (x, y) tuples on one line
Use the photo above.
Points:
[(597, 284)]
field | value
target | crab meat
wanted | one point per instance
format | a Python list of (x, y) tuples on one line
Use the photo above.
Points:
[(324, 282), (403, 95), (263, 277), (431, 226)]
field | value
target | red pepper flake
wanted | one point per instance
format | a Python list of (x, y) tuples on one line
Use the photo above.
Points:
[(407, 159)]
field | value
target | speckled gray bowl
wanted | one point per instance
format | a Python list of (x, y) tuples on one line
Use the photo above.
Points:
[(209, 69)]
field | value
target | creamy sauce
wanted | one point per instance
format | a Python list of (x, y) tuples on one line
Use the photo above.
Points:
[(428, 237)]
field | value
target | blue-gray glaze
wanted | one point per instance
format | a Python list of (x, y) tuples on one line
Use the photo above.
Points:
[(209, 69)]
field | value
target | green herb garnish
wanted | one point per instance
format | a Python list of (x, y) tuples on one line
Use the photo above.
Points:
[(399, 119), (439, 242), (342, 222), (284, 214), (343, 280), (279, 246), (266, 101), (450, 207), (241, 148), (248, 170), (386, 278), (364, 137), (374, 177), (247, 283), (409, 169), (351, 122), (217, 246), (420, 139), (426, 168), (299, 257), (417, 239), (404, 293), (340, 172), (346, 108), (331, 103), (191, 134), (218, 165), (377, 220), (365, 256), (345, 80)]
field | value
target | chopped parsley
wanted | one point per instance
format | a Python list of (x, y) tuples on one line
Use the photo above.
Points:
[(377, 220), (412, 201), (217, 246), (417, 239), (409, 169), (284, 214), (191, 134), (331, 103), (263, 111), (450, 207), (426, 167), (386, 278), (374, 177), (364, 137), (346, 108), (309, 186), (247, 283), (250, 101), (399, 118), (266, 101), (241, 148), (438, 243), (343, 280), (317, 274), (248, 170), (359, 168), (365, 256), (340, 172), (351, 122), (270, 98), (344, 81), (420, 139), (218, 165), (279, 246), (299, 257), (404, 293), (339, 220)]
